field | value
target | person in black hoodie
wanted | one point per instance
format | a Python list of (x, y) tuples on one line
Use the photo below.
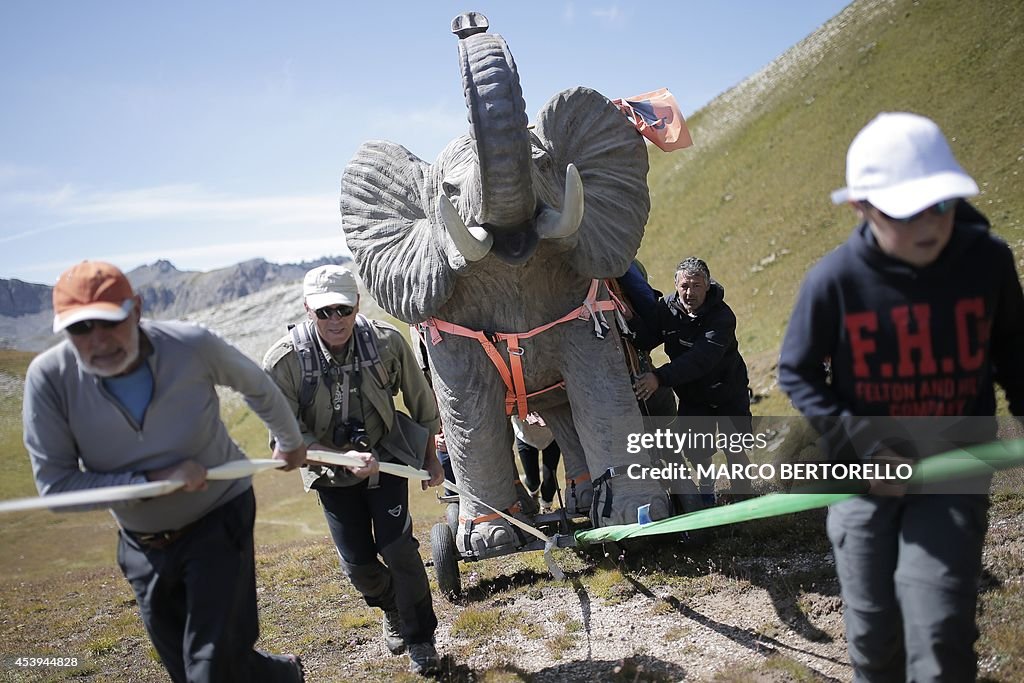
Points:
[(706, 370), (917, 314)]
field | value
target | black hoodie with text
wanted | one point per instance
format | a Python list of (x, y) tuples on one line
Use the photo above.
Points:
[(871, 335)]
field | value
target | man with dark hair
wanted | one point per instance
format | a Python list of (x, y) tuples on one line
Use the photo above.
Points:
[(706, 370), (127, 401)]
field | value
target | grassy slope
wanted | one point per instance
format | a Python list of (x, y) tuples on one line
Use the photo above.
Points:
[(760, 192), (16, 481), (33, 543)]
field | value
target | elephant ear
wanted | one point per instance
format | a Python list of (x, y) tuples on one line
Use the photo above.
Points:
[(582, 127), (386, 216)]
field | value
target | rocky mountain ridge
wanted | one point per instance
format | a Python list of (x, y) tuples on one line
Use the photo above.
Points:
[(26, 310), (22, 298)]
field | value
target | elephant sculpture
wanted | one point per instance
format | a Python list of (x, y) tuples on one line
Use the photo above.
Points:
[(505, 233)]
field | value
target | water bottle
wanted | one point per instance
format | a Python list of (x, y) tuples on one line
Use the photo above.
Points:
[(643, 514)]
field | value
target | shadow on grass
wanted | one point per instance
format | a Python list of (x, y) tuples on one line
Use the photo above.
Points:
[(488, 588), (988, 582), (753, 641), (789, 558), (786, 557)]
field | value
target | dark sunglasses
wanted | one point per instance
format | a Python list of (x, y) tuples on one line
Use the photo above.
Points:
[(86, 326), (939, 209), (340, 311)]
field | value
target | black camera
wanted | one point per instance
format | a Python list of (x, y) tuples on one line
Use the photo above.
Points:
[(352, 434)]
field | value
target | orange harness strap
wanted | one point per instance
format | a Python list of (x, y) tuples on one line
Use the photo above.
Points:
[(512, 374), (516, 507)]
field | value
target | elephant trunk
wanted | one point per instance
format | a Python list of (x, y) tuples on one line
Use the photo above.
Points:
[(497, 116)]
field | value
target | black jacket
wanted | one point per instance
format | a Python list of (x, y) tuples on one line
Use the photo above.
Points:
[(706, 367)]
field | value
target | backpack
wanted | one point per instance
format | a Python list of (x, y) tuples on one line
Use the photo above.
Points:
[(314, 365)]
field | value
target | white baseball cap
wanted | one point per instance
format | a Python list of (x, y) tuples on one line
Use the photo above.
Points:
[(330, 286), (901, 164)]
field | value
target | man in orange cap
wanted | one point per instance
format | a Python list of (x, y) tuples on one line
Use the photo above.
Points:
[(127, 401)]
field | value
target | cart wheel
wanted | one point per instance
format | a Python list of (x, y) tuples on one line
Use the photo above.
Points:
[(446, 560), (452, 515)]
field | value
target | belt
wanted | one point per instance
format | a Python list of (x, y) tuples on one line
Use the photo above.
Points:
[(161, 539)]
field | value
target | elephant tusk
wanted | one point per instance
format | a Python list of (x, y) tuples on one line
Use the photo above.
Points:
[(473, 243), (552, 224)]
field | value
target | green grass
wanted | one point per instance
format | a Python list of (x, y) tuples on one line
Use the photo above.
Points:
[(17, 479), (477, 622), (1001, 635), (793, 670), (607, 582), (560, 643), (35, 543), (14, 362)]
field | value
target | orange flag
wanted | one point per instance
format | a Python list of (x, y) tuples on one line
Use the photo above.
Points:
[(656, 115)]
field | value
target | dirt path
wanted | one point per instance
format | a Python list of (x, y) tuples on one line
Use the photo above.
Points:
[(708, 615)]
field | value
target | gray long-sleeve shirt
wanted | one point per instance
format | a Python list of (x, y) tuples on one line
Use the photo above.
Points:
[(79, 436)]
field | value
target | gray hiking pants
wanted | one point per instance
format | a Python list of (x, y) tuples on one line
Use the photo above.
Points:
[(908, 571), (197, 598)]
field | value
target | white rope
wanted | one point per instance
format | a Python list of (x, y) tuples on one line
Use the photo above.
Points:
[(346, 459), (108, 495)]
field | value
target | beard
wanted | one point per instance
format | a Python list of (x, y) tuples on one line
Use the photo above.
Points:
[(131, 355)]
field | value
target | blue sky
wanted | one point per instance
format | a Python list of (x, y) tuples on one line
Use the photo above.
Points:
[(208, 133)]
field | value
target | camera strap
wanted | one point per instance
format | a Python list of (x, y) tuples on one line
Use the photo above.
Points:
[(342, 392), (351, 379)]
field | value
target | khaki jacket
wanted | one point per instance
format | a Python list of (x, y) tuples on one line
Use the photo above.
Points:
[(374, 401)]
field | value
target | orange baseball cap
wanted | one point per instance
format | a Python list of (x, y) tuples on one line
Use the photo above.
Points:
[(92, 290)]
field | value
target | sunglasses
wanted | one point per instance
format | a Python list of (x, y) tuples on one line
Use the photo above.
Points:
[(340, 311), (86, 326), (939, 209)]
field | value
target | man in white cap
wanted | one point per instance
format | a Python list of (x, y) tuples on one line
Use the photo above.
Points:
[(124, 400), (919, 313), (340, 372)]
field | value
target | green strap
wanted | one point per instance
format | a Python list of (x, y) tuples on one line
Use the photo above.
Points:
[(956, 464)]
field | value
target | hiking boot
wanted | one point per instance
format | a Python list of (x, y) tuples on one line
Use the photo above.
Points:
[(423, 659), (392, 635)]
